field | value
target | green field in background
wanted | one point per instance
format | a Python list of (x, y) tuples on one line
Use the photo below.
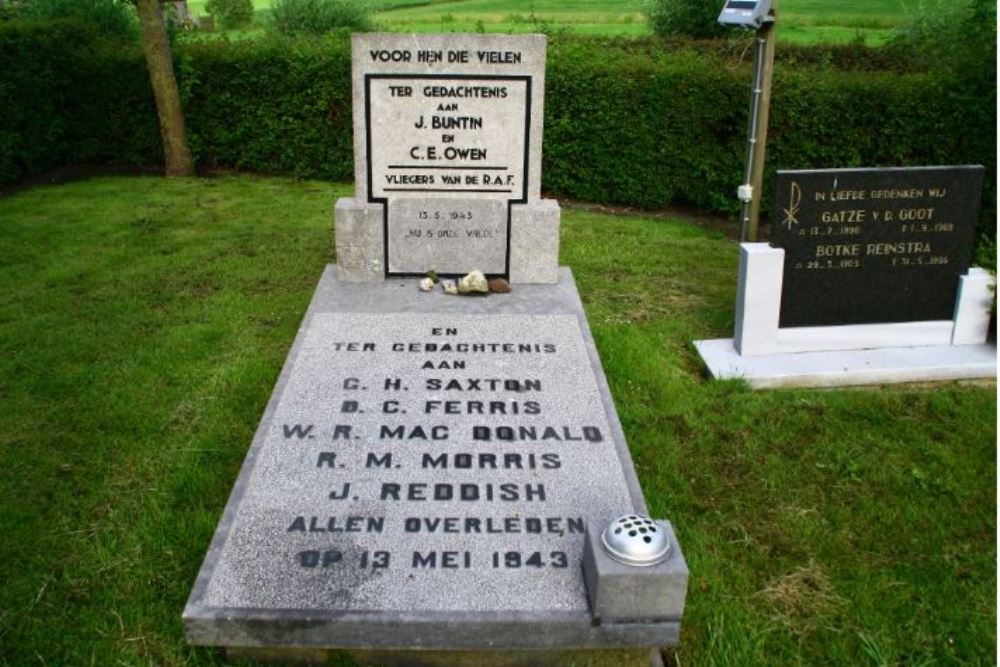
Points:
[(800, 21)]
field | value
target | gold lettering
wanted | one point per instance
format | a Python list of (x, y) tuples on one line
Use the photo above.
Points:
[(916, 214), (913, 193), (848, 195), (843, 250), (901, 248), (857, 215)]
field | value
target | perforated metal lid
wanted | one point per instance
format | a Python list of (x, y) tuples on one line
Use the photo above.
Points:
[(636, 540)]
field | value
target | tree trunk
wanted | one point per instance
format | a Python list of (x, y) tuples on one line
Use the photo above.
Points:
[(168, 98)]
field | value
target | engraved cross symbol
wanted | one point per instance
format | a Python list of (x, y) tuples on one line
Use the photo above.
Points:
[(793, 207)]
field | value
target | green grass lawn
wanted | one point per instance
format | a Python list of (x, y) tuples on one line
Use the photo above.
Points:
[(144, 323), (800, 21)]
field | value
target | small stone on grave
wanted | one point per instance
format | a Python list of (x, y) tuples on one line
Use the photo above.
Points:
[(473, 283), (499, 286)]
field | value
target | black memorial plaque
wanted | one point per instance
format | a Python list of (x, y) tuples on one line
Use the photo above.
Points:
[(867, 246)]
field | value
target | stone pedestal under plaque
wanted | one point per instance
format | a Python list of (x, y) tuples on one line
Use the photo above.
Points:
[(866, 281)]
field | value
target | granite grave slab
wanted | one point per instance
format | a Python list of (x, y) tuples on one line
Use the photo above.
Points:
[(422, 478)]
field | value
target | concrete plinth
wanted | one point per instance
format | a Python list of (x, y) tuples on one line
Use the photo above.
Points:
[(769, 356), (842, 368)]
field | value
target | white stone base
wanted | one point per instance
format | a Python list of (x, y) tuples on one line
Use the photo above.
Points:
[(768, 356), (849, 367)]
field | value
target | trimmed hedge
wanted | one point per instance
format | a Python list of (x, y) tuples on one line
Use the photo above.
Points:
[(273, 106), (651, 130), (66, 97), (655, 131), (627, 122)]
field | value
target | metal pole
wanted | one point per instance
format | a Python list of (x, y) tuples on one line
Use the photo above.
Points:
[(760, 109)]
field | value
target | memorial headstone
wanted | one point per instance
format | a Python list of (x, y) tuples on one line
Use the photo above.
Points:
[(431, 470), (867, 246), (866, 280), (448, 141)]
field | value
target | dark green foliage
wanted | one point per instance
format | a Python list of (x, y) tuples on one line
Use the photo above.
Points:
[(654, 129), (71, 97), (694, 18), (952, 34), (957, 40), (10, 10), (34, 88), (111, 18), (316, 17), (627, 122), (230, 13), (272, 106)]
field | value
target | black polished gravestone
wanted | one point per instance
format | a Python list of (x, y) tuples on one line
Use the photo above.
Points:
[(869, 246)]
